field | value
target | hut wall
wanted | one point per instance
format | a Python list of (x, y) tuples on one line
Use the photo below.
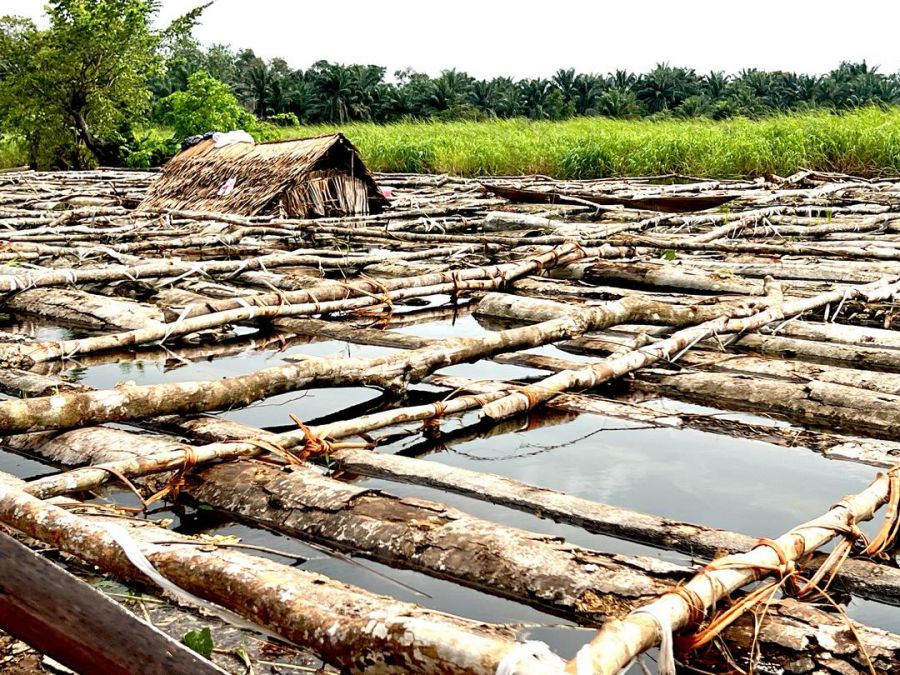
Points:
[(326, 193)]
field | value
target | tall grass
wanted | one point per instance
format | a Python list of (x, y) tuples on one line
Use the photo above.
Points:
[(865, 142)]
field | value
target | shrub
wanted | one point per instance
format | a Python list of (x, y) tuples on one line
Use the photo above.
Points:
[(285, 119), (151, 152)]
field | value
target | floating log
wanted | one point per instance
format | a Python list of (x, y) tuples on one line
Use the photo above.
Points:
[(348, 627)]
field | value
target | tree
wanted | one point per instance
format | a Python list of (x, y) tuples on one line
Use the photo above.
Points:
[(450, 92), (206, 105), (618, 102), (586, 90), (75, 89), (564, 79), (334, 93), (543, 100)]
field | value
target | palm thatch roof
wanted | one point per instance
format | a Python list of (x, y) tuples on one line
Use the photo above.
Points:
[(310, 177)]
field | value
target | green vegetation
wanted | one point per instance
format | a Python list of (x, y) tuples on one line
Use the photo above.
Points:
[(79, 93), (864, 142), (201, 641), (336, 93), (73, 92), (205, 104)]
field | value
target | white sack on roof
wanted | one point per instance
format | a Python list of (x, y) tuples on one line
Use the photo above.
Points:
[(232, 137)]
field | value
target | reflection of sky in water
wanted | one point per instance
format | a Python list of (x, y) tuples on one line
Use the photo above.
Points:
[(738, 484)]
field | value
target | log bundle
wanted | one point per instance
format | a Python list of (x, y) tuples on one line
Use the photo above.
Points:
[(774, 298)]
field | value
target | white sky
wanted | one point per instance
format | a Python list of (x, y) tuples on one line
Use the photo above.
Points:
[(534, 38)]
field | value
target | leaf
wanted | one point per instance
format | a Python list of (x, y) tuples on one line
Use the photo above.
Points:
[(669, 254), (200, 641), (241, 653)]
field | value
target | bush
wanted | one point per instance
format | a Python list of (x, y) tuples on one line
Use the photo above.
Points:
[(151, 152), (285, 119), (206, 105)]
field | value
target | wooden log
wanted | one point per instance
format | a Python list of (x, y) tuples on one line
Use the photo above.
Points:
[(776, 631), (348, 627), (117, 447), (616, 366), (670, 275), (619, 641), (77, 307), (175, 268), (815, 403), (874, 452), (129, 402), (860, 355), (49, 350)]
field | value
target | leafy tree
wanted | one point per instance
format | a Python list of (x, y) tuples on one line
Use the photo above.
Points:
[(219, 62), (586, 90), (206, 105), (333, 87), (564, 79), (75, 89), (715, 84), (449, 92)]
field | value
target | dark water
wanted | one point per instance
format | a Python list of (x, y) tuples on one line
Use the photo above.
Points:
[(742, 485)]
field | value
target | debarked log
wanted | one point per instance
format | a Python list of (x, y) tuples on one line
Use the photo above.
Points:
[(783, 633), (540, 570), (271, 306), (619, 641), (77, 307), (875, 452), (130, 402)]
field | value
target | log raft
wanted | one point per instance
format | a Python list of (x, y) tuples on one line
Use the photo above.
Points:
[(774, 297)]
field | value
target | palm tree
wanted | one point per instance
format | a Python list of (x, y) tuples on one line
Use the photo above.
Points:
[(542, 100), (564, 79), (485, 97), (364, 82), (665, 87), (587, 89), (333, 91), (258, 85), (622, 79), (716, 83), (449, 91), (618, 102)]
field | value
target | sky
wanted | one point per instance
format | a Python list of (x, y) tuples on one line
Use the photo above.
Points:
[(533, 39)]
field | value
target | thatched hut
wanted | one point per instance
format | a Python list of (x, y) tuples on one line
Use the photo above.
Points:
[(306, 178)]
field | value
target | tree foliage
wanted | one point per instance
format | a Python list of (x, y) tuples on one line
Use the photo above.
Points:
[(75, 89), (335, 93), (206, 105)]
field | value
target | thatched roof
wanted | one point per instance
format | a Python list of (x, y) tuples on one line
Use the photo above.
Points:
[(320, 176)]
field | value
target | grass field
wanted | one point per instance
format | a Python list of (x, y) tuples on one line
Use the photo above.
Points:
[(865, 142)]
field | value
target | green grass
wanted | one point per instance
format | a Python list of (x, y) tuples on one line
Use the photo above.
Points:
[(865, 142)]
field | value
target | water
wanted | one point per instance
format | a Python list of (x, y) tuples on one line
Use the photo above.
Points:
[(742, 485)]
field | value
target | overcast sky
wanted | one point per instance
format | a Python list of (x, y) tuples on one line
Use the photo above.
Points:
[(531, 38)]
